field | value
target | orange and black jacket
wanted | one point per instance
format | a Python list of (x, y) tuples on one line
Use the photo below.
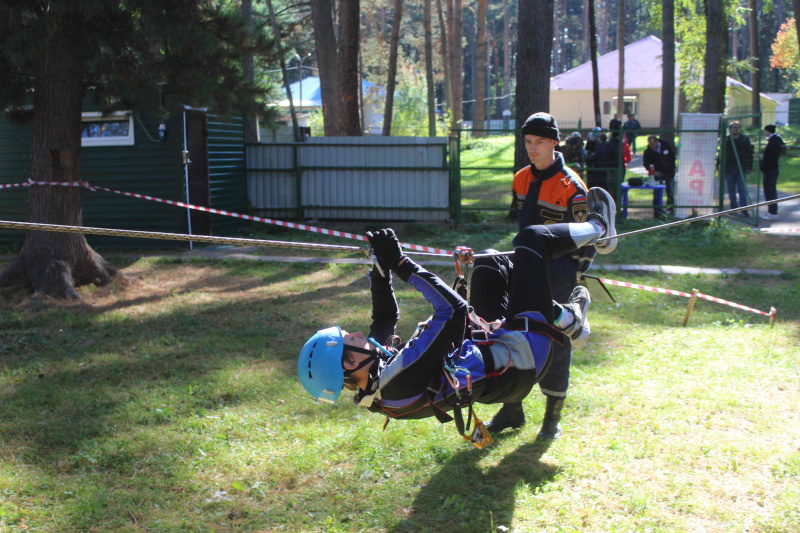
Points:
[(552, 196)]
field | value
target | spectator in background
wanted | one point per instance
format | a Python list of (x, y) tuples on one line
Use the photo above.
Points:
[(659, 159), (769, 167), (630, 127), (615, 124), (574, 153), (594, 147), (608, 160), (738, 162)]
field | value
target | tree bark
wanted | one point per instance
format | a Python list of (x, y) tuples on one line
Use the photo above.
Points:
[(444, 36), (754, 58), (595, 74), (533, 66), (621, 60), (714, 83), (426, 4), (298, 137), (251, 133), (480, 70), (668, 65), (455, 14), (796, 9), (349, 77), (507, 60), (391, 81), (54, 264), (327, 57)]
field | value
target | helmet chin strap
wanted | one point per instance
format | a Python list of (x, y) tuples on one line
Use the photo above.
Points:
[(373, 355)]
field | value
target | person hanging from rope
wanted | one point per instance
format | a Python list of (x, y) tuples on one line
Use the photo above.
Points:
[(455, 357)]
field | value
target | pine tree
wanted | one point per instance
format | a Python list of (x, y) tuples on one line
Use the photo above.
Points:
[(134, 54)]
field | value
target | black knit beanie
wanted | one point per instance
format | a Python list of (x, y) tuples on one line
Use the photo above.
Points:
[(541, 124), (770, 128)]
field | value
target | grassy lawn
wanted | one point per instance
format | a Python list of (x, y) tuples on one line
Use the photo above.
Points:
[(171, 404)]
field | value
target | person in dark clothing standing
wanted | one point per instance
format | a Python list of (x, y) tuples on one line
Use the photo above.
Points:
[(659, 159), (608, 158), (738, 162), (630, 127), (769, 167), (548, 192)]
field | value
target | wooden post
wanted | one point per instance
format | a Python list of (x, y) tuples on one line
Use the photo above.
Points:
[(772, 314), (692, 300)]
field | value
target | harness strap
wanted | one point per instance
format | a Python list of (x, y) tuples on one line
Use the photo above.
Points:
[(525, 324), (481, 329)]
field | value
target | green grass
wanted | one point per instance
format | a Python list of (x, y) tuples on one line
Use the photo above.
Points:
[(172, 405)]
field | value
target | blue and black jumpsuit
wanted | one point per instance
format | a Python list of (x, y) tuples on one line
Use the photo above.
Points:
[(412, 382)]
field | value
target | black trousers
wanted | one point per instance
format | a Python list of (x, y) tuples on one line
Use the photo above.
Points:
[(503, 287)]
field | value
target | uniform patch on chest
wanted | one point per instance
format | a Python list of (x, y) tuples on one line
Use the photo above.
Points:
[(579, 212)]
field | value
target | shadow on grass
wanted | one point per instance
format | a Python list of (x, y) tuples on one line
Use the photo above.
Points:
[(94, 395), (465, 496)]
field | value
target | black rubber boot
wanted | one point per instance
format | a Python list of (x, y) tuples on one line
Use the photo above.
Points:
[(551, 429), (510, 415)]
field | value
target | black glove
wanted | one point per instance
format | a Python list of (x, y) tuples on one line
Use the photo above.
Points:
[(386, 248)]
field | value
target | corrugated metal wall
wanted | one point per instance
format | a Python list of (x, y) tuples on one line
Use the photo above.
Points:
[(150, 167), (357, 178), (227, 172), (15, 155)]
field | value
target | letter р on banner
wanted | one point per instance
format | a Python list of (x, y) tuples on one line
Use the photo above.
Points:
[(696, 181)]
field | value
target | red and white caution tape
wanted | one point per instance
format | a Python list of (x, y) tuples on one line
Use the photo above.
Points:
[(779, 230), (415, 247), (686, 295)]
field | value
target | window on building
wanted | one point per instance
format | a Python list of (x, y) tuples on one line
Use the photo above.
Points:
[(115, 129), (629, 105)]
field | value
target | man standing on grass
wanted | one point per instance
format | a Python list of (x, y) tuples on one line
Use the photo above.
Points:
[(548, 192), (630, 127), (769, 167), (738, 162)]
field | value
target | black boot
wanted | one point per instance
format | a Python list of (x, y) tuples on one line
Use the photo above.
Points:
[(551, 429), (510, 415)]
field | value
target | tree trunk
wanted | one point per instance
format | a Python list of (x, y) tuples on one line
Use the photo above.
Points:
[(53, 264), (533, 66), (328, 61), (298, 137), (444, 36), (251, 133), (621, 60), (507, 61), (796, 9), (756, 74), (391, 82), (480, 70), (714, 73), (595, 74), (426, 4), (668, 65), (455, 14), (349, 77)]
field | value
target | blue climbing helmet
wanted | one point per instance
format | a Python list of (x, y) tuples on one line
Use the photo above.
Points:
[(319, 366)]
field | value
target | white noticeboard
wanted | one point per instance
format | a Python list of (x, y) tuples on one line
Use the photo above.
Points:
[(696, 182)]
